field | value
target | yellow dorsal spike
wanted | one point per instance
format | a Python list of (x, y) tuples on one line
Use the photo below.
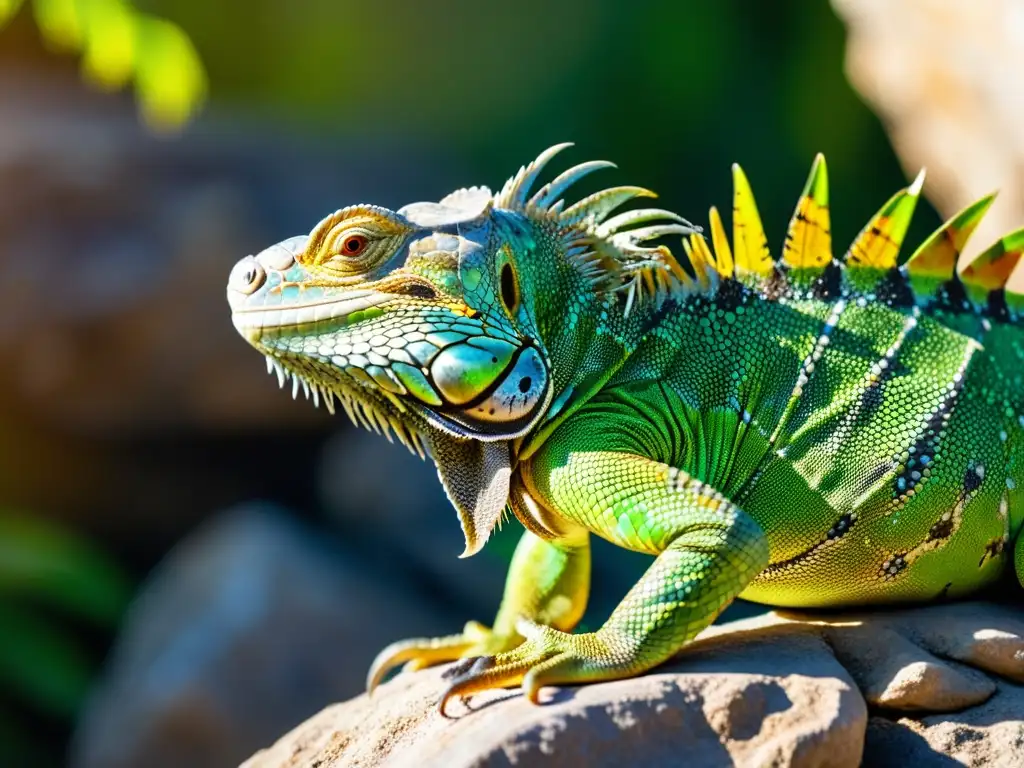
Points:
[(992, 268), (723, 253), (752, 255), (809, 237), (1014, 287), (878, 244), (937, 256), (700, 259)]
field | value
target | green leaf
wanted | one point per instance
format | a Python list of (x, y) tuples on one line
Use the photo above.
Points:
[(40, 561), (119, 44), (40, 663), (7, 10), (60, 23), (110, 37), (169, 78)]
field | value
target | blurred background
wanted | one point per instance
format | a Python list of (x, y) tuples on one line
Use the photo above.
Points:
[(191, 563)]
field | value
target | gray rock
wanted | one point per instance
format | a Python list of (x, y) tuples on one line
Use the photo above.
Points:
[(247, 627), (779, 689), (746, 701)]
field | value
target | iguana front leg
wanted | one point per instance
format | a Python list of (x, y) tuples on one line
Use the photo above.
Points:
[(1018, 556), (709, 551), (548, 582)]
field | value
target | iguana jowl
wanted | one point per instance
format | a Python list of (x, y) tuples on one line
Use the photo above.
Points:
[(810, 431)]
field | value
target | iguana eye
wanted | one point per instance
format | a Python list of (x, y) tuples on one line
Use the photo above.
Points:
[(353, 245)]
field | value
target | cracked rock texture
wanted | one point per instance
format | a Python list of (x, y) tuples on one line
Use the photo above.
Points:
[(781, 689)]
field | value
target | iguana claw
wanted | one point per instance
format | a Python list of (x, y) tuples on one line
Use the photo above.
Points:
[(473, 643), (547, 657)]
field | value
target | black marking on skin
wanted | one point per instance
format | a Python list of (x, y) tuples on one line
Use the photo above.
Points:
[(828, 285), (776, 285), (419, 291), (839, 529), (668, 308), (993, 549), (944, 592), (893, 567), (942, 529), (842, 527), (926, 445), (872, 477), (972, 480), (872, 397), (996, 308), (731, 294), (950, 297), (894, 290)]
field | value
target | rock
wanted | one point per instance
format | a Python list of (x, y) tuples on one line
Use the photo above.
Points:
[(763, 691), (945, 78), (989, 734), (247, 627), (792, 706)]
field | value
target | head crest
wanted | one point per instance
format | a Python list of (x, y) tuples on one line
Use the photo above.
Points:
[(612, 252)]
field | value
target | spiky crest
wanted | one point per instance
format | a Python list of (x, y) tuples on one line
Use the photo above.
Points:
[(614, 252), (808, 246)]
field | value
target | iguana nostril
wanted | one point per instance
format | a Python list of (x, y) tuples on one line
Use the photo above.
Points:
[(524, 384), (248, 276)]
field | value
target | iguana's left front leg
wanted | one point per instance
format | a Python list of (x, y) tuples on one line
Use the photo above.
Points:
[(709, 551), (548, 582)]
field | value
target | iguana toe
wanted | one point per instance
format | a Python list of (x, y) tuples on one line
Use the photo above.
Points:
[(475, 641), (546, 657)]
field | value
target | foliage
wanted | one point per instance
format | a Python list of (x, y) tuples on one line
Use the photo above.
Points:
[(52, 582), (119, 44)]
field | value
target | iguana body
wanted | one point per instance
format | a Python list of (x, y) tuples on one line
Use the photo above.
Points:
[(807, 432)]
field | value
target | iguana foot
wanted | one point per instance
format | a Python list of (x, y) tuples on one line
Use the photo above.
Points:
[(474, 641), (546, 657)]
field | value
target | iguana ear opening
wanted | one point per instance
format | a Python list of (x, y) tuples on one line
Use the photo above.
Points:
[(476, 476)]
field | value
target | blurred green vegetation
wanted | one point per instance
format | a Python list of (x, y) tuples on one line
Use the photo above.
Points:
[(674, 91), (55, 588), (119, 45)]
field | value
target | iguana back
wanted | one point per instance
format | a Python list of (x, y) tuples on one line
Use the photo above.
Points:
[(867, 412)]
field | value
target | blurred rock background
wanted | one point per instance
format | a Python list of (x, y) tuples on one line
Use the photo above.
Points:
[(191, 563)]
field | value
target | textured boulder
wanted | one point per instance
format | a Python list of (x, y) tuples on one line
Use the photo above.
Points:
[(249, 626), (772, 690), (751, 703)]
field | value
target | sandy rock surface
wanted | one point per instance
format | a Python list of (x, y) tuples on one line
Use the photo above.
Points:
[(945, 78), (778, 689)]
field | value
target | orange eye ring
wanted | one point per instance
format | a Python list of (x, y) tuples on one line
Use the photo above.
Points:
[(353, 245)]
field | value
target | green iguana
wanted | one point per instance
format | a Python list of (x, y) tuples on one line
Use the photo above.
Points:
[(804, 432)]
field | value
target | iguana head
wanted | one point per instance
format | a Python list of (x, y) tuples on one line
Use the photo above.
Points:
[(438, 322)]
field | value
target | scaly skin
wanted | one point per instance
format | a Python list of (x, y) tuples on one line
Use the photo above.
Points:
[(806, 432)]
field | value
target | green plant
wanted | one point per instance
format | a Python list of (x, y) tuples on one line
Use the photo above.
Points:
[(52, 584), (120, 44)]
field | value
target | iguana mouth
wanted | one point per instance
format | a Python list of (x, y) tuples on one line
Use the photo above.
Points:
[(390, 420)]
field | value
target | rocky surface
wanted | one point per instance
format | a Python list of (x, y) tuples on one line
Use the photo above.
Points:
[(791, 690), (945, 78), (247, 627)]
